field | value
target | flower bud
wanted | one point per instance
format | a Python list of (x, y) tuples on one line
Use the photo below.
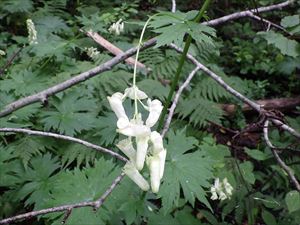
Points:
[(141, 152), (135, 176), (154, 167), (155, 108), (116, 105), (126, 147)]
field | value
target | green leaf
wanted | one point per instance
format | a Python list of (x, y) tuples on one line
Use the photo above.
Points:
[(268, 218), (290, 21), (14, 6), (256, 154), (184, 169), (247, 171), (292, 200), (286, 46)]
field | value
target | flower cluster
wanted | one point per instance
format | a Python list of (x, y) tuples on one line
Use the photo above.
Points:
[(221, 190), (32, 34), (148, 145), (117, 28), (92, 52)]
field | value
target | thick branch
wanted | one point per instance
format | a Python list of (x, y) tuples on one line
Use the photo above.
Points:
[(41, 96), (95, 204), (235, 93), (277, 157), (64, 137)]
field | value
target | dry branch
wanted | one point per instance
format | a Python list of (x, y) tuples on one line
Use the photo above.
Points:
[(64, 137), (43, 95), (112, 48), (95, 204), (285, 167)]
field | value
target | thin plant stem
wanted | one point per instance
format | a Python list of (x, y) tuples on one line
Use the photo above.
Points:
[(180, 66)]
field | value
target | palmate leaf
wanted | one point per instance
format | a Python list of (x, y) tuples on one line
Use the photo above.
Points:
[(72, 114), (173, 27), (184, 169), (87, 184)]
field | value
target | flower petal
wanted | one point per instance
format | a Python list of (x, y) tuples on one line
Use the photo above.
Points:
[(162, 159), (115, 102), (157, 142), (154, 167), (126, 147), (130, 92), (141, 152), (155, 108), (130, 170), (132, 130)]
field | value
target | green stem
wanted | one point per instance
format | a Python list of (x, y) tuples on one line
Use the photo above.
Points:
[(181, 63)]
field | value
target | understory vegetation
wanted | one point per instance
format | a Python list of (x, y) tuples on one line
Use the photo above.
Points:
[(226, 162)]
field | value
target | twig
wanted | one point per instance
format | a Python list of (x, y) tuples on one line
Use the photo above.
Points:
[(41, 96), (173, 6), (112, 48), (10, 61), (277, 157), (95, 204), (175, 101), (235, 93), (246, 13), (64, 137)]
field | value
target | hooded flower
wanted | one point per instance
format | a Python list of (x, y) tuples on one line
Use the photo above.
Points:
[(154, 167), (131, 129), (141, 152), (126, 147), (116, 105), (135, 176), (130, 92), (157, 142), (155, 107), (117, 27), (162, 159), (221, 190)]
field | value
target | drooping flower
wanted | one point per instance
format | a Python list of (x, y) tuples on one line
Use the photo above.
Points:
[(131, 171), (221, 190), (127, 148), (130, 92), (154, 167), (141, 151), (32, 33), (130, 129), (116, 105), (117, 27), (92, 52), (157, 142), (162, 158), (155, 107)]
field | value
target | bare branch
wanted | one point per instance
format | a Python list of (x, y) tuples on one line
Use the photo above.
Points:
[(173, 6), (247, 13), (277, 157), (41, 96), (176, 99), (112, 48), (95, 204), (64, 137), (235, 93)]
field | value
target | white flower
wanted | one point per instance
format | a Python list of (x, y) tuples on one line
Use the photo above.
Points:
[(154, 167), (32, 34), (116, 105), (157, 142), (141, 151), (2, 52), (221, 190), (117, 27), (162, 159), (228, 187), (92, 52), (135, 176), (127, 148), (155, 107), (130, 92), (131, 129)]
